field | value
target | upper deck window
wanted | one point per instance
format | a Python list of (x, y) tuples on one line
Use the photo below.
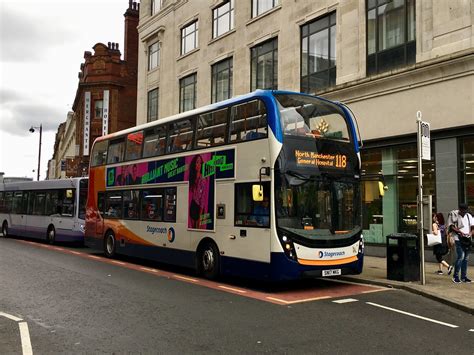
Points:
[(311, 117), (99, 153), (116, 150), (155, 142), (134, 145), (248, 121)]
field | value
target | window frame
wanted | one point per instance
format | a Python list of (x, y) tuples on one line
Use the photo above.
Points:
[(306, 32), (258, 51), (112, 143), (183, 35), (154, 54), (267, 192), (182, 88), (150, 105), (408, 46), (155, 6), (216, 16), (215, 71), (255, 12)]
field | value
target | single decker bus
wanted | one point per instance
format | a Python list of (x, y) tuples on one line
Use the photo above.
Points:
[(264, 185), (51, 210)]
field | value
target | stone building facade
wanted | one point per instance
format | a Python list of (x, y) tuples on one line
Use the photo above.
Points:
[(387, 59), (63, 163)]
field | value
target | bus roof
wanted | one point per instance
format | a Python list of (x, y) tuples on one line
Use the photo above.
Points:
[(41, 185)]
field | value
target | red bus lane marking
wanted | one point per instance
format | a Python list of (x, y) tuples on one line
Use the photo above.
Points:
[(315, 292)]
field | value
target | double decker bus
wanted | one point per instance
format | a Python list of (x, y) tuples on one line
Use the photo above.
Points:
[(264, 185), (52, 210)]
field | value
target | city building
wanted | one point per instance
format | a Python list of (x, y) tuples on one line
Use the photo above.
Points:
[(106, 97), (386, 59)]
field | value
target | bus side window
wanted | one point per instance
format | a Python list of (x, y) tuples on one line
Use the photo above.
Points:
[(181, 136), (99, 153), (248, 121), (113, 204), (101, 203), (116, 151), (154, 143), (134, 146), (251, 213), (211, 128)]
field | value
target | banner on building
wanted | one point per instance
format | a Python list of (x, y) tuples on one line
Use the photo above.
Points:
[(87, 121), (105, 114)]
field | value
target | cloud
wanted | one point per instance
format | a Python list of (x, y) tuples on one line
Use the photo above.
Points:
[(25, 39), (18, 113)]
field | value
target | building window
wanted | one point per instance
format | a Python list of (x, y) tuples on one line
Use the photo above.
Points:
[(155, 6), (264, 65), (467, 171), (189, 37), (390, 35), (261, 6), (318, 54), (152, 105), (153, 56), (187, 93), (98, 108), (222, 80), (223, 18)]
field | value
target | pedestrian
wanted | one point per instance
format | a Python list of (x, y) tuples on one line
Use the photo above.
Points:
[(440, 250), (461, 223)]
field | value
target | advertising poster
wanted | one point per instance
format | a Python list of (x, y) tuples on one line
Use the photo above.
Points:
[(200, 170)]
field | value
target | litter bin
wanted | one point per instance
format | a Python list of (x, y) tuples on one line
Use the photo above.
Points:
[(403, 257)]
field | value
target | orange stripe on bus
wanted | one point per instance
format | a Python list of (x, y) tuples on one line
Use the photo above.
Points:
[(328, 262)]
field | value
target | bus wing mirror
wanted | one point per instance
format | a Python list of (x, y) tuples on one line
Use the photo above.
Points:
[(382, 188), (257, 193)]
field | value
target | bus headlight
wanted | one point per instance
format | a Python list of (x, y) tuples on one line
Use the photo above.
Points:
[(288, 247)]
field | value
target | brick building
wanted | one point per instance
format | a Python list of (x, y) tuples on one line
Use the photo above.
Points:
[(106, 96)]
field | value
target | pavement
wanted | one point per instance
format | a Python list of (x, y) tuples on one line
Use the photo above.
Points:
[(437, 287)]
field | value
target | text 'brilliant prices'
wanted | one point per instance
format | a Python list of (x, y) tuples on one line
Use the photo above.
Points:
[(305, 158)]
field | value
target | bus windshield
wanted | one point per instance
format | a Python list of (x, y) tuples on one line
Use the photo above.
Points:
[(318, 207), (311, 117)]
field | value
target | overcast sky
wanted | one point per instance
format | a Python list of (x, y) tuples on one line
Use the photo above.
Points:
[(42, 46)]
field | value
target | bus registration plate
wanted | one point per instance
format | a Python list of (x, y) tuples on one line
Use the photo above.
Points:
[(332, 272)]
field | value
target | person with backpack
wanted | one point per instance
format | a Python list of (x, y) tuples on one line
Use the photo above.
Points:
[(461, 223)]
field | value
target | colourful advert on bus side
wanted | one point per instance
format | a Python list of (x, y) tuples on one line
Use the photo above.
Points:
[(199, 169)]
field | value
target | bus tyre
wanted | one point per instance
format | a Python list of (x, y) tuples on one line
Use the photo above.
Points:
[(51, 235), (209, 261), (5, 229), (109, 244)]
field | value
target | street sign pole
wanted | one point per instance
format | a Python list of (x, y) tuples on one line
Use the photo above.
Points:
[(424, 153)]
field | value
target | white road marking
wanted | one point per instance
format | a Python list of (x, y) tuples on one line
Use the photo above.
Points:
[(346, 300), (185, 278), (232, 289), (9, 316), (298, 301), (25, 338), (471, 330), (413, 315)]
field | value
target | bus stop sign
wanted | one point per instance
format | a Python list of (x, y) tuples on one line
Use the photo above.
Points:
[(425, 141)]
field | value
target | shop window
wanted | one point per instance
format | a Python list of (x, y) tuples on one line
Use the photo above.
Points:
[(467, 171), (248, 212)]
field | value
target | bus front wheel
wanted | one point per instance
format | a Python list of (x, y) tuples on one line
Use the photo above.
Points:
[(51, 235), (209, 261), (5, 229), (109, 244)]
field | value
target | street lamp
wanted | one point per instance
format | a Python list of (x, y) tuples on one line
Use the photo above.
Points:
[(32, 130)]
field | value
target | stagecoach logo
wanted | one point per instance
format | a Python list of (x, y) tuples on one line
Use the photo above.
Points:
[(171, 234), (331, 254)]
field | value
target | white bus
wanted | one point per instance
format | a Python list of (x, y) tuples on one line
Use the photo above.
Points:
[(264, 185), (52, 210)]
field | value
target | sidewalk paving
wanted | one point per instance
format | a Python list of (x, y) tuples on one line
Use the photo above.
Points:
[(438, 287)]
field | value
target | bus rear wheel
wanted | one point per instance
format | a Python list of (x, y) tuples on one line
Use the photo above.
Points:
[(5, 229), (51, 235), (209, 261), (109, 244)]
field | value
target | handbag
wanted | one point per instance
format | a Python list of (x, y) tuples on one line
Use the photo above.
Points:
[(466, 242), (433, 239)]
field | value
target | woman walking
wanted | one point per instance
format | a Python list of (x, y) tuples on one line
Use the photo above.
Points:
[(442, 249)]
